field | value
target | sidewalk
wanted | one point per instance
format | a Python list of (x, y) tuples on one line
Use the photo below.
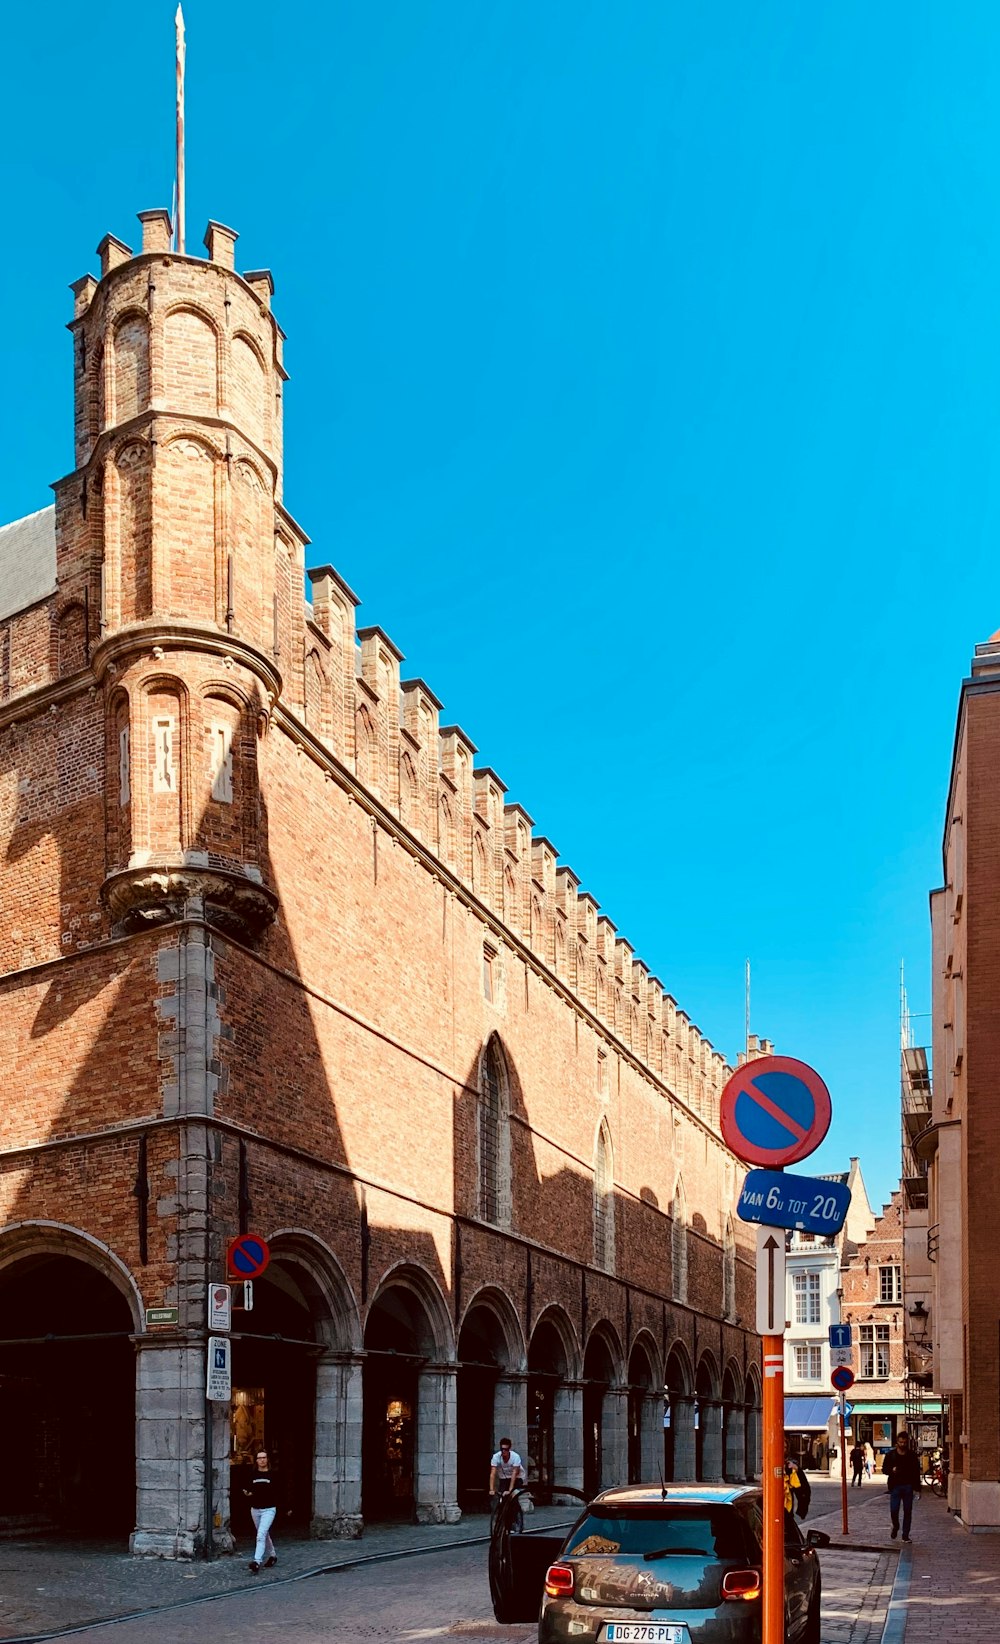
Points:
[(949, 1582), (47, 1586)]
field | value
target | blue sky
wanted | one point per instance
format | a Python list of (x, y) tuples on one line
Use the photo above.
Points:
[(644, 383)]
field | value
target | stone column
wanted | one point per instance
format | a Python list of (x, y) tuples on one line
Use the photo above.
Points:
[(682, 1423), (614, 1437), (337, 1454), (567, 1424), (734, 1441), (710, 1422), (510, 1413), (437, 1443), (170, 1452), (651, 1439)]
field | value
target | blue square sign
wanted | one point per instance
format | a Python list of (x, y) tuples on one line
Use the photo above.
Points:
[(840, 1335)]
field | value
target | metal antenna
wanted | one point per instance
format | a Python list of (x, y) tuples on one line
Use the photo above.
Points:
[(179, 34)]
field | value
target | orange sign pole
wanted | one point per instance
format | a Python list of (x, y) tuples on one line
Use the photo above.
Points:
[(774, 1491), (843, 1465)]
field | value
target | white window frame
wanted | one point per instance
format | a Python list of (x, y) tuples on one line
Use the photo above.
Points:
[(808, 1361), (806, 1290), (893, 1272)]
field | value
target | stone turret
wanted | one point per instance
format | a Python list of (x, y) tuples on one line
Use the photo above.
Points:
[(171, 536)]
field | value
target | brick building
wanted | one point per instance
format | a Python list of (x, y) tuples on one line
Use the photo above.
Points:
[(958, 1136), (278, 956), (873, 1304)]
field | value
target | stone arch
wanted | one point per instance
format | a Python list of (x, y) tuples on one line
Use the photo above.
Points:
[(410, 1374), (130, 355), (604, 1409), (22, 1240), (408, 793), (68, 1369), (190, 360), (679, 1432), (734, 1431), (645, 1410), (161, 755), (493, 1150), (118, 790), (491, 1388), (480, 869), (554, 1454), (753, 1402), (317, 695), (709, 1456), (446, 831)]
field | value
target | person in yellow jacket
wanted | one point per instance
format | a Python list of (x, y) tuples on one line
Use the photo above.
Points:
[(792, 1483)]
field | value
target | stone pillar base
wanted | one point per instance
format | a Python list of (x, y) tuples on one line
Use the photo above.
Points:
[(438, 1512), (161, 1544), (342, 1527)]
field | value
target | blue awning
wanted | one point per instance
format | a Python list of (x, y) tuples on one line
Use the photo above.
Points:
[(807, 1415)]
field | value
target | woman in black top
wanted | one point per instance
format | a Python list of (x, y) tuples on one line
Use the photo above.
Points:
[(902, 1476), (263, 1495)]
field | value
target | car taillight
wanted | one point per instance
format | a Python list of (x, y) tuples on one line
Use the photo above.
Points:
[(559, 1581), (741, 1584)]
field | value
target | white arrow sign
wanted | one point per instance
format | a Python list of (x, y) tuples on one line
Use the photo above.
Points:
[(770, 1281)]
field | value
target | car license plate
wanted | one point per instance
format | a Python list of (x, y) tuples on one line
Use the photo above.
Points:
[(644, 1632)]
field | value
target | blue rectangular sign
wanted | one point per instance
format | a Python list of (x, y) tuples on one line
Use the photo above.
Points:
[(840, 1335), (807, 1203)]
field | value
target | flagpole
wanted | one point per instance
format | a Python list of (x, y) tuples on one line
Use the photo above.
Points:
[(179, 30)]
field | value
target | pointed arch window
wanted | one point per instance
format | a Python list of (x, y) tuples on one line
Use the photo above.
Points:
[(494, 1138), (678, 1244), (604, 1202)]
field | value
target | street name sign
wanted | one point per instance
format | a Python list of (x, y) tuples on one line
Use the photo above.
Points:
[(219, 1383), (161, 1315), (840, 1335), (842, 1377), (806, 1203), (774, 1111), (220, 1307), (770, 1281)]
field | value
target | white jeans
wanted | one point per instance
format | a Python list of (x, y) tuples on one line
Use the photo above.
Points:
[(263, 1518)]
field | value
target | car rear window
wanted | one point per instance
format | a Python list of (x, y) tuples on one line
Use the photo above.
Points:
[(714, 1532)]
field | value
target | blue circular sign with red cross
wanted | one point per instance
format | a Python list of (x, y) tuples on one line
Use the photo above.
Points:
[(247, 1256), (774, 1111)]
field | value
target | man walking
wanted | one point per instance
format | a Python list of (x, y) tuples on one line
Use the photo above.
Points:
[(902, 1476), (263, 1493), (857, 1465)]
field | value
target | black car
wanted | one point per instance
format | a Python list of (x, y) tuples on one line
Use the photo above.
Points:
[(680, 1565)]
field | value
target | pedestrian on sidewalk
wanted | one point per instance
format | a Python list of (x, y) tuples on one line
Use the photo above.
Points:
[(264, 1501), (902, 1469), (793, 1484), (857, 1465), (869, 1460)]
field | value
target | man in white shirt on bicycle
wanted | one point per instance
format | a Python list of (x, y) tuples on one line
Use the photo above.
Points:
[(506, 1469)]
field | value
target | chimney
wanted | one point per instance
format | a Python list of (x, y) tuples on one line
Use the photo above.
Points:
[(112, 253), (156, 230), (220, 243)]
